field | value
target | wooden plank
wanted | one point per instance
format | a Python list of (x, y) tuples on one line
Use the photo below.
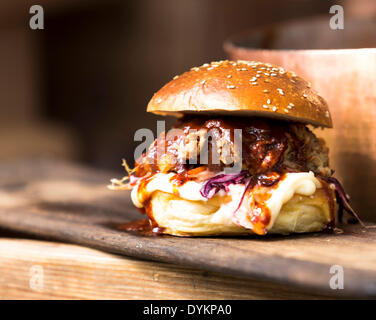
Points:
[(71, 204), (47, 270)]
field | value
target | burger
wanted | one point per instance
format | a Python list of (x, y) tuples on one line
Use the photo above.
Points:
[(240, 159)]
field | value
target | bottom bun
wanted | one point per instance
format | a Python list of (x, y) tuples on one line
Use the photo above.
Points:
[(180, 217)]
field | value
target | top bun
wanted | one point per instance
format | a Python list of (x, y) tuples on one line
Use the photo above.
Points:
[(244, 88)]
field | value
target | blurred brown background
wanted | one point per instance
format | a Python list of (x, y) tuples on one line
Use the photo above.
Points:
[(79, 88)]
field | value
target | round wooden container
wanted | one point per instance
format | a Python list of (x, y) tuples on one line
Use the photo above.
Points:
[(341, 65)]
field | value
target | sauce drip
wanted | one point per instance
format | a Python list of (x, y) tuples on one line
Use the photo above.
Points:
[(330, 195), (259, 218), (142, 226), (259, 215)]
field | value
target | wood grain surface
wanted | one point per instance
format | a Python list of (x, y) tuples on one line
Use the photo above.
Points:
[(70, 203), (66, 271)]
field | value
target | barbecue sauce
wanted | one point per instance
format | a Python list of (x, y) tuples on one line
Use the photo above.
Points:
[(331, 201)]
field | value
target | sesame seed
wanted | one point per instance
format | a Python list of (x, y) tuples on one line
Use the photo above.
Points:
[(211, 68), (274, 109), (254, 83), (203, 81), (253, 79), (254, 67), (290, 106), (262, 68), (230, 86), (280, 91), (267, 74), (175, 77), (258, 71), (258, 76), (243, 69), (327, 114), (195, 69), (304, 95), (229, 76), (265, 106), (266, 90), (286, 110), (205, 65), (273, 74), (268, 101), (266, 80)]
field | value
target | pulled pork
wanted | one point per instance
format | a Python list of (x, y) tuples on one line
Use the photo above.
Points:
[(266, 146)]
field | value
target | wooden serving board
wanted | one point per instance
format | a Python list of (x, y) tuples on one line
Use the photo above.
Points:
[(70, 203)]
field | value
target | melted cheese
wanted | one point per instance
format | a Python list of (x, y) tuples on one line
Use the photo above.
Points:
[(302, 183)]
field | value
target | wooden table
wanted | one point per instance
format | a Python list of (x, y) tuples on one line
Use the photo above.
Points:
[(42, 202), (75, 272)]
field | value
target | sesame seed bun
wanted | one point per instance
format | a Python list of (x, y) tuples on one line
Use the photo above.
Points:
[(243, 88)]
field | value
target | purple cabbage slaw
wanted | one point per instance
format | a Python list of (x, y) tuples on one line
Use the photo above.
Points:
[(221, 182), (343, 200)]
